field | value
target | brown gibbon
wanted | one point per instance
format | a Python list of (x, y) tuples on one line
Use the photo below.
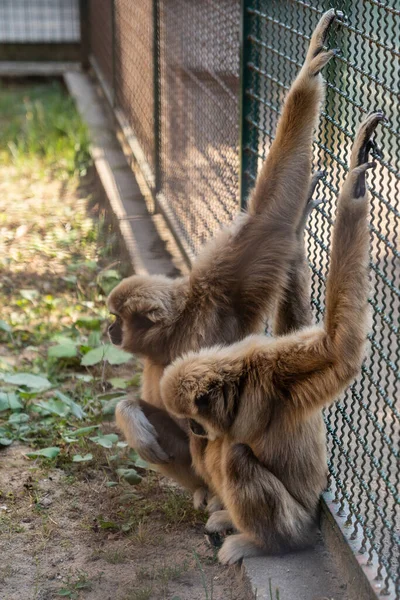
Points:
[(233, 286), (262, 398)]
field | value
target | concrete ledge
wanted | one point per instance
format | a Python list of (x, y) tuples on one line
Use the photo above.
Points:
[(36, 69), (146, 250)]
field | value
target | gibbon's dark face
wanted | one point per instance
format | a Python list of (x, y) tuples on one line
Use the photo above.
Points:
[(115, 331), (197, 429)]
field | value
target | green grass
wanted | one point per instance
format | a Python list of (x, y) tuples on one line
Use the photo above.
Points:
[(40, 129)]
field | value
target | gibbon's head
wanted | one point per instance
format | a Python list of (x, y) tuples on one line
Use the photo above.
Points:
[(146, 309), (196, 388)]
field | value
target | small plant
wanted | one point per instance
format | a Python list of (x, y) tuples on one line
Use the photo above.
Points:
[(74, 585)]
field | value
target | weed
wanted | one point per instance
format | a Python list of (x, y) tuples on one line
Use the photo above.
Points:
[(143, 593), (208, 594), (115, 557), (74, 585)]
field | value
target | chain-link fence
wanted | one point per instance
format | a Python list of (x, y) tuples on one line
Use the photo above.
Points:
[(364, 427), (171, 68), (33, 30)]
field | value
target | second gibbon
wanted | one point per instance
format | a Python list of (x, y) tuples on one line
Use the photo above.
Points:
[(235, 283)]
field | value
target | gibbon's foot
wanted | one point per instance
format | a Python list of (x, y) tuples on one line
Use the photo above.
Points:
[(139, 432), (219, 521), (214, 504), (200, 498), (316, 57), (311, 204), (363, 144), (237, 547)]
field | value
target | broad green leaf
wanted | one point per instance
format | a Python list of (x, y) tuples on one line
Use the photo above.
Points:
[(5, 326), (109, 405), (130, 475), (75, 408), (94, 339), (118, 382), (17, 418), (113, 355), (27, 380), (82, 377), (55, 407), (109, 274), (89, 322), (9, 401), (111, 483), (93, 357), (135, 380), (63, 351), (79, 458), (51, 452), (5, 441), (82, 431), (142, 464), (106, 441)]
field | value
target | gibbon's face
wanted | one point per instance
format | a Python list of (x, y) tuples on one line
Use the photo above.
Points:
[(143, 308)]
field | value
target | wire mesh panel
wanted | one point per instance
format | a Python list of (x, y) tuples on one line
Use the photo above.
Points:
[(364, 426), (134, 71), (101, 37), (199, 70), (31, 21)]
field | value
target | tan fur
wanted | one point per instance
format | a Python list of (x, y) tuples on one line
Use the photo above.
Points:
[(236, 280), (261, 398)]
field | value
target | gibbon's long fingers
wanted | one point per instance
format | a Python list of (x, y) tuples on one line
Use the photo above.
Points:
[(283, 182)]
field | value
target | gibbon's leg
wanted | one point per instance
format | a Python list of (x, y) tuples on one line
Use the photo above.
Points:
[(261, 506), (285, 173), (299, 373), (169, 448), (293, 310)]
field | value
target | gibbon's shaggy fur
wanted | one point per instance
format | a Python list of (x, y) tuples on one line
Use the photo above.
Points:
[(262, 398), (234, 284)]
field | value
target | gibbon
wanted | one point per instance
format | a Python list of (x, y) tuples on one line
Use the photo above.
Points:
[(262, 398), (233, 286)]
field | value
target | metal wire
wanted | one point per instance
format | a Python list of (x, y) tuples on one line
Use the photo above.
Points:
[(42, 21), (364, 426), (101, 37)]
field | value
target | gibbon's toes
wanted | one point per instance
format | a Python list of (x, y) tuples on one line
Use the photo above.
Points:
[(200, 498), (219, 521), (214, 504), (316, 57), (236, 547), (364, 142)]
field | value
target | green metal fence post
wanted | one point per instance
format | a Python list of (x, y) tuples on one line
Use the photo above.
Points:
[(156, 97), (244, 134), (84, 33), (113, 55)]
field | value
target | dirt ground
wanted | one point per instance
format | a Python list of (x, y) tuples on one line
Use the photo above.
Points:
[(62, 535)]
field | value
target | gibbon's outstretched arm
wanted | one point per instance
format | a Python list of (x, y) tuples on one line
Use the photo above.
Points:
[(284, 177), (249, 267), (293, 309), (301, 372)]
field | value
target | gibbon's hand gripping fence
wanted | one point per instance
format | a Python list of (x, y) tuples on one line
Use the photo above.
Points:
[(197, 86)]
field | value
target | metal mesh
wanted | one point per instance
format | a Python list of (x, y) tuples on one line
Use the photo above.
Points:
[(134, 73), (23, 21), (364, 426), (101, 37), (199, 64)]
